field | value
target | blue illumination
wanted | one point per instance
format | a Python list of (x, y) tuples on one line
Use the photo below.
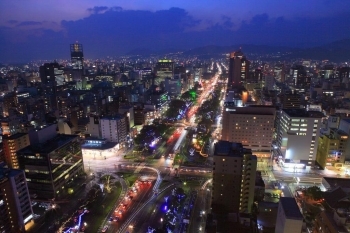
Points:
[(79, 223)]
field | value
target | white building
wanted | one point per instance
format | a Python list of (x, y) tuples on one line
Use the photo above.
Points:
[(297, 137), (114, 129), (289, 218)]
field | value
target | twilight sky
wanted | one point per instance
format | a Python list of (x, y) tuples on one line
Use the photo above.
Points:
[(36, 29)]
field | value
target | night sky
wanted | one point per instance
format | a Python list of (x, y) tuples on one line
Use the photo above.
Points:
[(36, 29)]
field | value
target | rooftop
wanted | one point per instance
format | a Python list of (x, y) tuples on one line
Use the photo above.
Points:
[(347, 120), (14, 136), (232, 149), (50, 145), (303, 113), (290, 208)]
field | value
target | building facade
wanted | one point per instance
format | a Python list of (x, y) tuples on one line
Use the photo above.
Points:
[(238, 68), (234, 173), (15, 205), (297, 136), (114, 129), (51, 166), (289, 218), (12, 144), (253, 126)]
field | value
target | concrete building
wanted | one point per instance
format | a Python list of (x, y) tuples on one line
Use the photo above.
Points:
[(93, 128), (290, 100), (15, 205), (51, 166), (129, 112), (289, 218), (333, 149), (253, 126), (11, 145), (234, 173), (297, 136), (114, 129), (238, 69), (173, 87)]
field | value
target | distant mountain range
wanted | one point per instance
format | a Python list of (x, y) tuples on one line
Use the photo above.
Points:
[(338, 51)]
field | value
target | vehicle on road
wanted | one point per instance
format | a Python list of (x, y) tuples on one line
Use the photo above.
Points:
[(104, 229)]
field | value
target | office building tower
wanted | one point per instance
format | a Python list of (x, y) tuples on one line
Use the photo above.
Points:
[(52, 74), (238, 68), (290, 100), (12, 144), (258, 75), (297, 137), (16, 214), (327, 72), (77, 57), (253, 126), (51, 166), (9, 103), (300, 77), (197, 74), (114, 129), (173, 86), (289, 218), (234, 173), (163, 69), (343, 74)]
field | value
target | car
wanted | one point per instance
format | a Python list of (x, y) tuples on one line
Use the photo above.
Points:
[(116, 219), (104, 229), (110, 219)]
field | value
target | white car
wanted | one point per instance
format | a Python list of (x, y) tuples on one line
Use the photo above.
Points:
[(105, 228)]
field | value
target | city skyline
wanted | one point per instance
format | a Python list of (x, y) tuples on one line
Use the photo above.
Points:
[(32, 26)]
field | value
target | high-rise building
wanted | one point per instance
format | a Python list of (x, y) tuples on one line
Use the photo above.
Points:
[(16, 214), (114, 129), (253, 126), (12, 144), (234, 173), (77, 57), (52, 74), (327, 72), (238, 68), (163, 69), (290, 100), (52, 165), (289, 218), (297, 137)]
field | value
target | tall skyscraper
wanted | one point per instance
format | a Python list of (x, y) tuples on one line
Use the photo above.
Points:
[(234, 172), (164, 68), (16, 214), (77, 56), (238, 68)]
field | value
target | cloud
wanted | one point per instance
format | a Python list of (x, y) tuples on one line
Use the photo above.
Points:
[(29, 23), (98, 9), (12, 21), (110, 31)]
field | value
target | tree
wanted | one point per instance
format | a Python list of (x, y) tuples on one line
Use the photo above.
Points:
[(313, 193)]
